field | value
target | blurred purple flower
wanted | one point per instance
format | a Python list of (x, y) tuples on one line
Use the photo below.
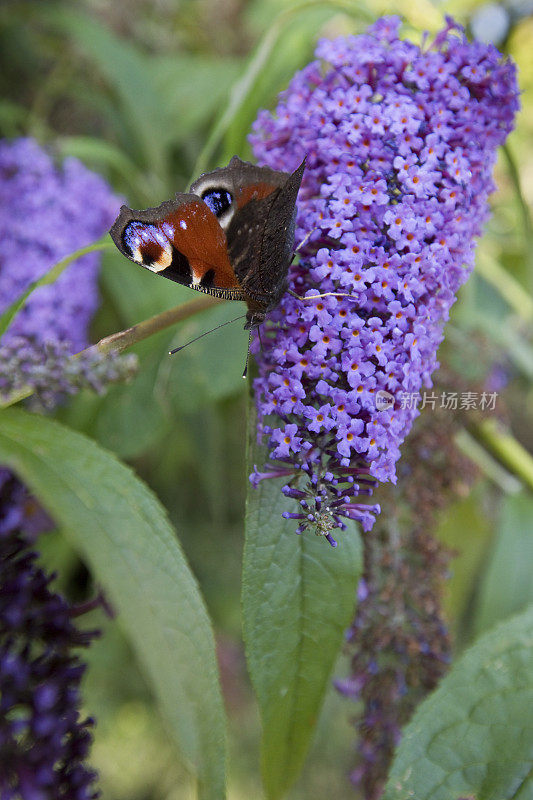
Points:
[(400, 142), (43, 740), (47, 212)]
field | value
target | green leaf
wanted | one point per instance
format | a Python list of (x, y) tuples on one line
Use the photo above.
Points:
[(298, 599), (474, 734), (102, 156), (467, 514), (123, 533), (13, 117), (194, 88), (210, 369), (130, 419), (507, 586), (125, 69), (136, 292), (283, 51)]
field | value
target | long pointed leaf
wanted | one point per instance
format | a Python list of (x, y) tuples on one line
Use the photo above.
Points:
[(123, 533), (125, 69), (507, 587), (243, 90), (298, 599)]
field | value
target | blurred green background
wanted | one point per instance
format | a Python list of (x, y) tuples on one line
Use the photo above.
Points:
[(149, 93)]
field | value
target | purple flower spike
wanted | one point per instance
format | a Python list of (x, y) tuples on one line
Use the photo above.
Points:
[(400, 142), (47, 213)]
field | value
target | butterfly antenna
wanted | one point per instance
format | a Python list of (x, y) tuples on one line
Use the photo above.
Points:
[(245, 370), (177, 349)]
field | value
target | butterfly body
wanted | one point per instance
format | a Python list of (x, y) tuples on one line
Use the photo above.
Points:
[(231, 236)]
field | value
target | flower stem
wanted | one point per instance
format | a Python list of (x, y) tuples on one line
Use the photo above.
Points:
[(126, 338), (123, 339), (507, 449), (509, 288), (7, 317), (524, 208), (488, 464)]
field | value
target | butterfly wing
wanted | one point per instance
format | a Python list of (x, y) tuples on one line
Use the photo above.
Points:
[(267, 280), (228, 189), (182, 240), (250, 203)]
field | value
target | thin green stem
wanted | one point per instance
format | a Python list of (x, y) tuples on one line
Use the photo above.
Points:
[(506, 285), (508, 450), (49, 277), (527, 222), (130, 336), (52, 275), (120, 341), (490, 467)]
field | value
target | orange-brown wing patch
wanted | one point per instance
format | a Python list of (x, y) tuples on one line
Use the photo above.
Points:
[(255, 191), (195, 232), (181, 240)]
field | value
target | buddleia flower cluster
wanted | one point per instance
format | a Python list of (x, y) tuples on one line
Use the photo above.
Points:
[(400, 141), (398, 642), (49, 371), (48, 212)]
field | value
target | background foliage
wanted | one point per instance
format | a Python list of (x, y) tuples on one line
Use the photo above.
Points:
[(149, 93)]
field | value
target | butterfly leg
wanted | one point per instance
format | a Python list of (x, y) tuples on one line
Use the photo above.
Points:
[(317, 296), (304, 240)]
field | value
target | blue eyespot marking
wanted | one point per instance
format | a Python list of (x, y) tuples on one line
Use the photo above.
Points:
[(218, 200), (138, 234)]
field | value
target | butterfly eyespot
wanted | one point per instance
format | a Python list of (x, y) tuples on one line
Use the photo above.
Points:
[(218, 200)]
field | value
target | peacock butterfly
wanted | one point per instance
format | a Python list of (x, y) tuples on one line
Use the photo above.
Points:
[(231, 236)]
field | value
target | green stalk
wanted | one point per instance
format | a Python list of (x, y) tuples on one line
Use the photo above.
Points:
[(50, 277), (490, 467), (508, 450), (512, 291), (527, 223), (123, 339)]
